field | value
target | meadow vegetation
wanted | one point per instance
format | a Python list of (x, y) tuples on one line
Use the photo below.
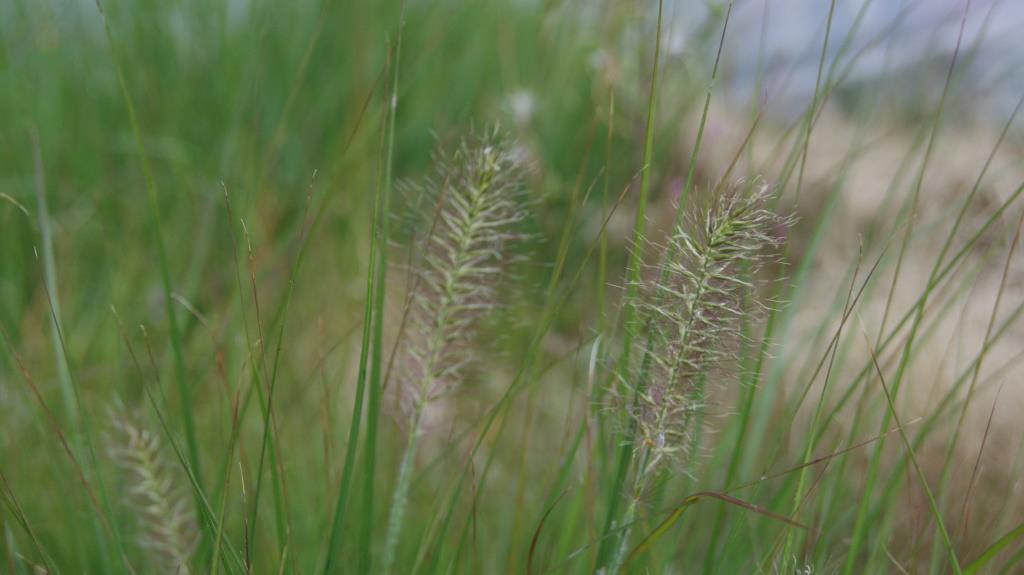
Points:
[(498, 287)]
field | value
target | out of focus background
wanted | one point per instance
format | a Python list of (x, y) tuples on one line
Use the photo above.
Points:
[(217, 163)]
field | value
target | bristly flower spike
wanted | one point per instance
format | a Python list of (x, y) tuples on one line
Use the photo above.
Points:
[(479, 198), (167, 528), (693, 306)]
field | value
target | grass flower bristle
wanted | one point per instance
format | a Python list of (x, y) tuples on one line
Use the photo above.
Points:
[(479, 200), (692, 306), (167, 530)]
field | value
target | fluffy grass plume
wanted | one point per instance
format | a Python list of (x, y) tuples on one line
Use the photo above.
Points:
[(479, 199), (692, 307), (167, 530)]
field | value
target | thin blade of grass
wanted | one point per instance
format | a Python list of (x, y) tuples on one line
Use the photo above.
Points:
[(181, 374), (536, 533), (629, 312), (376, 351), (953, 561), (667, 524), (348, 471)]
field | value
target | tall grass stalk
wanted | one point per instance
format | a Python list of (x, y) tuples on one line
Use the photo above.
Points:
[(376, 383), (861, 523), (806, 139), (936, 512), (50, 276), (333, 541), (181, 374), (608, 542), (952, 444), (691, 170), (80, 432)]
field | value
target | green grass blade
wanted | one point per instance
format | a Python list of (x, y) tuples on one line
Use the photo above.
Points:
[(181, 375), (380, 290), (629, 313)]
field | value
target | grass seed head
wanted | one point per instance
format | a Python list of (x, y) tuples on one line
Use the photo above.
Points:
[(692, 305), (167, 530), (478, 200)]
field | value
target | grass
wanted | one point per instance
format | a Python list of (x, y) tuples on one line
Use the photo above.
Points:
[(329, 355)]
